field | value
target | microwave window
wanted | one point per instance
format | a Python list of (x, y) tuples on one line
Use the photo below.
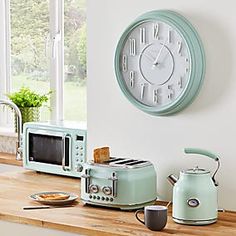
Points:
[(48, 149)]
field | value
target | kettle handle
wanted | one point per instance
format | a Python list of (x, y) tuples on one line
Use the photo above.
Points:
[(201, 152), (208, 154)]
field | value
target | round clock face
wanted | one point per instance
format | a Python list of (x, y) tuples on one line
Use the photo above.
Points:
[(155, 63), (160, 62)]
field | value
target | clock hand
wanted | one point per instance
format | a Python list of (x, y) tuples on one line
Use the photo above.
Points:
[(159, 53), (148, 56)]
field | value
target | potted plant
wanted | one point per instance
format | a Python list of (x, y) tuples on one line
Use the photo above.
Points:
[(29, 103)]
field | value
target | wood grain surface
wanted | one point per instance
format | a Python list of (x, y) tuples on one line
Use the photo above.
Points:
[(6, 158), (15, 188)]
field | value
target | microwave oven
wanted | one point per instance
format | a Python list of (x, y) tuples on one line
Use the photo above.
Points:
[(55, 147)]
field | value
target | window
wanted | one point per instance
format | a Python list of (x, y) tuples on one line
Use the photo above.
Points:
[(75, 60), (46, 41), (29, 34)]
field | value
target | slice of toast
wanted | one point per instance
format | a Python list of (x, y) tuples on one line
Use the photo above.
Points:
[(101, 155), (96, 155), (53, 196)]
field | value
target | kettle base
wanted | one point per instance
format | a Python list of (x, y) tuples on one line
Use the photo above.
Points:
[(195, 222)]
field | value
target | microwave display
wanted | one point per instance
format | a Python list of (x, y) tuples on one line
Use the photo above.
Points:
[(48, 149)]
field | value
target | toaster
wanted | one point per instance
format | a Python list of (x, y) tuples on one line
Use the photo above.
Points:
[(120, 183)]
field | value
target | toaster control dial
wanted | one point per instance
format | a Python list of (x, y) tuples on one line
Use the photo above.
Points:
[(193, 202), (93, 188), (107, 190)]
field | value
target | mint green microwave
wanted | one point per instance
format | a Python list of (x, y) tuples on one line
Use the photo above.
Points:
[(55, 147)]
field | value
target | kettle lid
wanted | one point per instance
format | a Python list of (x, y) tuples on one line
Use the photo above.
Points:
[(196, 170)]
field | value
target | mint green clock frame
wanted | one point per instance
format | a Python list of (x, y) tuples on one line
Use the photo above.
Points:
[(198, 62)]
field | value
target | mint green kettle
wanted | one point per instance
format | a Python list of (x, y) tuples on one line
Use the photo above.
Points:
[(195, 193)]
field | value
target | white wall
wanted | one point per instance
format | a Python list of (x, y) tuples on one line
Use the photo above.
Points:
[(210, 122)]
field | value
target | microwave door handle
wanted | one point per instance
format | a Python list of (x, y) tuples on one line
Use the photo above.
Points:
[(64, 167)]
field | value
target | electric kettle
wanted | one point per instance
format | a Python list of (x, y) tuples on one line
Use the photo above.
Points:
[(195, 193)]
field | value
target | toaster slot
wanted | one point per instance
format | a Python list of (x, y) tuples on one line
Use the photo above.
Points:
[(136, 162), (130, 163), (113, 159), (123, 162)]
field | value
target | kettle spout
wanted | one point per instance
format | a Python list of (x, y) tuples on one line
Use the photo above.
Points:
[(172, 179)]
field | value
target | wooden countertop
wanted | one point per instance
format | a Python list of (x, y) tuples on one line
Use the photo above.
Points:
[(15, 188), (6, 158)]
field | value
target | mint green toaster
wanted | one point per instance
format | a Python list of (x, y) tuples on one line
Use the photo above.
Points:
[(121, 183)]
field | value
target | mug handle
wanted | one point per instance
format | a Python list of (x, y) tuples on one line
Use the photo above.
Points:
[(136, 215)]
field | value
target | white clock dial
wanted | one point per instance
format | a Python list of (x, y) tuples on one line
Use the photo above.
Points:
[(155, 63)]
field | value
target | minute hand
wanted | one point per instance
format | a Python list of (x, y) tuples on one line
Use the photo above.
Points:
[(158, 55)]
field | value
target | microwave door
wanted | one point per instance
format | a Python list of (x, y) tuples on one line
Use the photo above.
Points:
[(53, 148)]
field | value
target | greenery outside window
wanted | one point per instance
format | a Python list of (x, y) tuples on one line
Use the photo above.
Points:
[(47, 50)]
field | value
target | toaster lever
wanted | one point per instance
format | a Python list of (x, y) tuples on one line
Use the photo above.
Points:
[(86, 176), (114, 180)]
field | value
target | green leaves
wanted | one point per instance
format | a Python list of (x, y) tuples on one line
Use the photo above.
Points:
[(27, 98)]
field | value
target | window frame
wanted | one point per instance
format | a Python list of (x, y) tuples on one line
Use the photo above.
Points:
[(56, 57), (5, 82), (56, 22)]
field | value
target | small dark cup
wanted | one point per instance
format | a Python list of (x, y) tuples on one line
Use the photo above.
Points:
[(155, 217)]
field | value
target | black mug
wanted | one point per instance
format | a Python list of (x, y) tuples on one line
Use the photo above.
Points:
[(155, 217)]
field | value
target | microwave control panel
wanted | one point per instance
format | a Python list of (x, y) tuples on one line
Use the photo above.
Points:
[(79, 153)]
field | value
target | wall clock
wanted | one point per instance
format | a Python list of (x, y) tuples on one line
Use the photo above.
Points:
[(160, 62)]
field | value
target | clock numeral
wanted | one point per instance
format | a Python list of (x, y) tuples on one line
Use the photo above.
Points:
[(156, 96), (132, 47), (155, 31), (170, 92), (179, 47), (124, 63), (169, 36), (142, 35), (131, 78), (143, 85), (180, 83)]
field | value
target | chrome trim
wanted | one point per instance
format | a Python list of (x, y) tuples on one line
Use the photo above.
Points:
[(193, 199), (217, 168), (114, 180), (79, 167), (93, 188), (86, 176), (19, 151), (64, 167), (107, 190)]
